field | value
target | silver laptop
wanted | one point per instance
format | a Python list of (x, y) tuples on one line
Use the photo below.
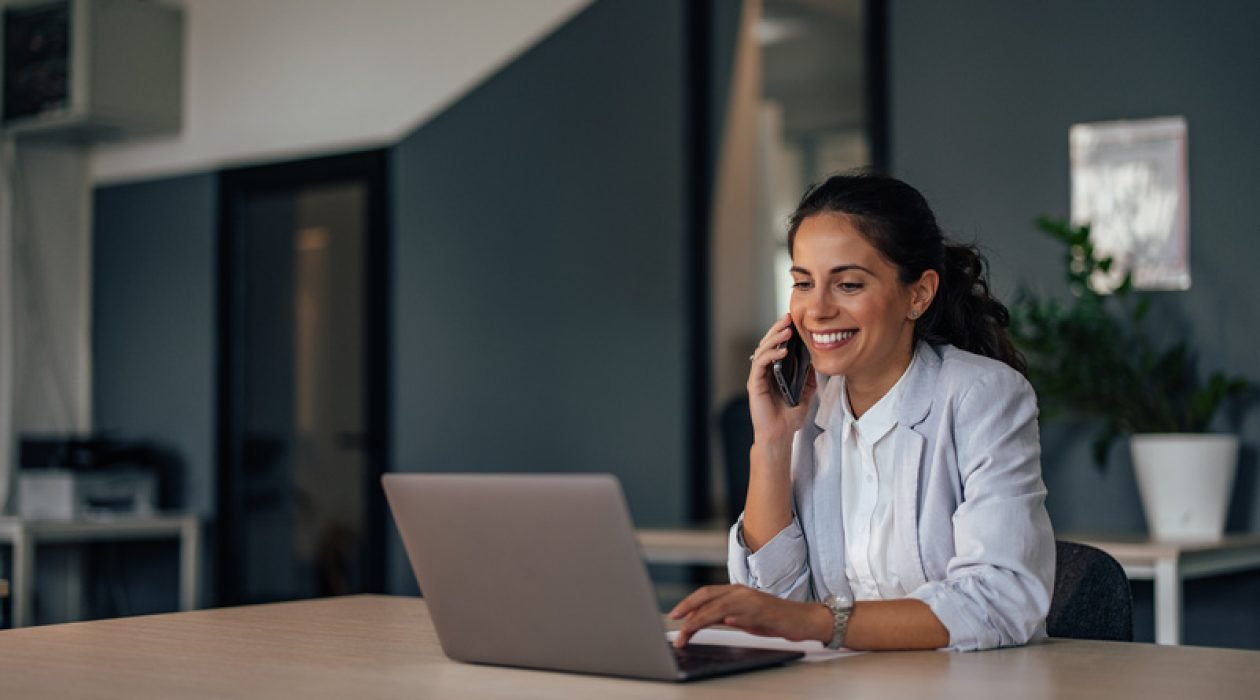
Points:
[(543, 571)]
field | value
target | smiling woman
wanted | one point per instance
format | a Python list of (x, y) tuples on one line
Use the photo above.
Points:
[(900, 505)]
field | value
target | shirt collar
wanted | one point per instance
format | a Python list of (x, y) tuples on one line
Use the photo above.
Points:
[(878, 419)]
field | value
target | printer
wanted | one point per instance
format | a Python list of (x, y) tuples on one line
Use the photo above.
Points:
[(64, 477)]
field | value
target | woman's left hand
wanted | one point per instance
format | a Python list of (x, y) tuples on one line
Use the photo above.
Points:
[(751, 611)]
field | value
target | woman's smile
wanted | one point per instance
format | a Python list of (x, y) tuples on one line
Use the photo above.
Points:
[(831, 340)]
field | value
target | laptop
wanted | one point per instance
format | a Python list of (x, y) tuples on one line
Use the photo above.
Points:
[(544, 572)]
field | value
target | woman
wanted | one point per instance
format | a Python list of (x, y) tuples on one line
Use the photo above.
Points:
[(900, 504)]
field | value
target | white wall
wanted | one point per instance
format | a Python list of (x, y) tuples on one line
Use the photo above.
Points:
[(45, 265), (52, 263), (277, 79)]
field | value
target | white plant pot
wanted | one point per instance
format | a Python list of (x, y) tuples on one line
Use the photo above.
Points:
[(1185, 481)]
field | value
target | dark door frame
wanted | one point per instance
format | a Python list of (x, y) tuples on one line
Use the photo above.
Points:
[(371, 168), (876, 57), (698, 19)]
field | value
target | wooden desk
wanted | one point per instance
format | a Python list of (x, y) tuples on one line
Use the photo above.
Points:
[(23, 534), (1167, 564), (385, 647)]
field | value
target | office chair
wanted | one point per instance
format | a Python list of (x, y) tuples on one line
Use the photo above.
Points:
[(1092, 598)]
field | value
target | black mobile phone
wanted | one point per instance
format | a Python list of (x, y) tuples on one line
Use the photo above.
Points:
[(790, 372)]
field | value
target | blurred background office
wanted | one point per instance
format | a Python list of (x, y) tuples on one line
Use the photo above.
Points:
[(491, 235)]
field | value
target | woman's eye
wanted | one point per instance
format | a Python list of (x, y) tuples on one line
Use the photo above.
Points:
[(802, 284), (849, 286)]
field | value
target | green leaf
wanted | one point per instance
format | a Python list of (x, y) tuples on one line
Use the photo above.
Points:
[(1092, 355)]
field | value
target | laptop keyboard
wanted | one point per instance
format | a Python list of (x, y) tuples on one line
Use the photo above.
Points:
[(701, 658)]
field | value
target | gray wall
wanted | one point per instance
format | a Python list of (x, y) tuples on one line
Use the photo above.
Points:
[(982, 95), (153, 325), (539, 232), (153, 351)]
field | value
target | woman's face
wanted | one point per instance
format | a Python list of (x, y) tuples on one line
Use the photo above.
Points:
[(849, 305)]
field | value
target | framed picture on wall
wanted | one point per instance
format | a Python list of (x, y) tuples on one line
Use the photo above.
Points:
[(1130, 183)]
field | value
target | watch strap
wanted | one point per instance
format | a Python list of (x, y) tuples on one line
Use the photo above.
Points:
[(841, 609)]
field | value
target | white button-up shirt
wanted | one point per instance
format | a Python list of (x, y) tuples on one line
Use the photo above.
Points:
[(865, 458)]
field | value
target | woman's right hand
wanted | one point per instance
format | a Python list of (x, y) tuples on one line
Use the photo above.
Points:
[(773, 420)]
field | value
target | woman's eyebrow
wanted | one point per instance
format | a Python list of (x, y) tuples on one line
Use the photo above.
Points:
[(835, 270)]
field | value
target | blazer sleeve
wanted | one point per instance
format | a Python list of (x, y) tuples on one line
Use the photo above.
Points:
[(998, 583), (781, 567)]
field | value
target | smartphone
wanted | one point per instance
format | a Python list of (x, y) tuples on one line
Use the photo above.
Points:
[(790, 372)]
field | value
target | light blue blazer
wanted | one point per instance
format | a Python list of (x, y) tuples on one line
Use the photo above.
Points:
[(973, 539)]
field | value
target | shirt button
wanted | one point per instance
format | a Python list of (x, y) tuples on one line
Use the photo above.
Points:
[(869, 478)]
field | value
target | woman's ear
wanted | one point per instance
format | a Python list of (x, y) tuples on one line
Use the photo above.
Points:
[(923, 290)]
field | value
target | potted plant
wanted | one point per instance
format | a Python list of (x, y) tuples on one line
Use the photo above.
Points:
[(1092, 356)]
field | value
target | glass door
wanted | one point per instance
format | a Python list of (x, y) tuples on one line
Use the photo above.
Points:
[(302, 407)]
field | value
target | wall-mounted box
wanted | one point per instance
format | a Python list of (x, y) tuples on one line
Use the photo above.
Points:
[(91, 69)]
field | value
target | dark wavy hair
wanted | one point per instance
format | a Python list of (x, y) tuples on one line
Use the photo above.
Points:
[(895, 218)]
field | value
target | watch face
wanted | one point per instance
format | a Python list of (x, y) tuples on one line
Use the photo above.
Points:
[(838, 602)]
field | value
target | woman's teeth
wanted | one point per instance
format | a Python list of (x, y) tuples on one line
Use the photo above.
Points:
[(829, 338)]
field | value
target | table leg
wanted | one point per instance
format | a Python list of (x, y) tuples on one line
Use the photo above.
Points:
[(1167, 601), (23, 571), (189, 563)]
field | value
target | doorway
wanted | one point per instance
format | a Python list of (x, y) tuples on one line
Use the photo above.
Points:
[(303, 365)]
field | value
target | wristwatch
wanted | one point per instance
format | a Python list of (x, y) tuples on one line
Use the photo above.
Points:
[(841, 608)]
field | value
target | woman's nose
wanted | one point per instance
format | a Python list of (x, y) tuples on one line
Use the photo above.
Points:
[(818, 308)]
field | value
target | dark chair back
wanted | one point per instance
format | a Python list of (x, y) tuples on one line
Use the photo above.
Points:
[(735, 425), (1092, 598)]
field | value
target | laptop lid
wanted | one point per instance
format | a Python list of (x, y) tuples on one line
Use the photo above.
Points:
[(537, 571)]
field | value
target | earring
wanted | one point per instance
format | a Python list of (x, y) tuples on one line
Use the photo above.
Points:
[(914, 313)]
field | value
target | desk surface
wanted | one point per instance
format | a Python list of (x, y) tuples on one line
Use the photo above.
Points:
[(385, 647)]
